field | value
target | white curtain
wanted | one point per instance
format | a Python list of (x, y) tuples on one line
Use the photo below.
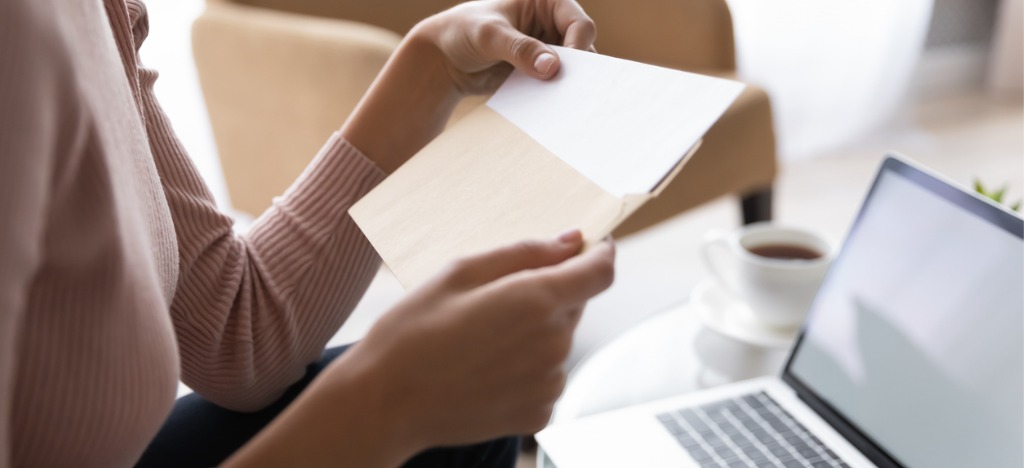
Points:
[(835, 69)]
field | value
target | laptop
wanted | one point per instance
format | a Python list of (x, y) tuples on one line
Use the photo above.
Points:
[(912, 354)]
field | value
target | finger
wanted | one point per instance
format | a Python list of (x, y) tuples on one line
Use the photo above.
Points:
[(574, 315), (486, 267), (578, 279), (577, 29), (527, 54)]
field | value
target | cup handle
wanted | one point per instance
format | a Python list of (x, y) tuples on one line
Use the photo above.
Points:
[(715, 252)]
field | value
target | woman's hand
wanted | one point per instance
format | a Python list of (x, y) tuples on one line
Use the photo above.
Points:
[(476, 353), (479, 351), (468, 49), (482, 41)]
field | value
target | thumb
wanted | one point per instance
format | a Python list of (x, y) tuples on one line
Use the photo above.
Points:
[(527, 54), (483, 268)]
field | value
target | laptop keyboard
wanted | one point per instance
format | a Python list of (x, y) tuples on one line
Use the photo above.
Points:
[(747, 431)]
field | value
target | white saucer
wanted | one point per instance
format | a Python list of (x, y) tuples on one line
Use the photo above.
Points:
[(722, 312)]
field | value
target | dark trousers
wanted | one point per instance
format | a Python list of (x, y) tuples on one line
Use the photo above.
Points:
[(201, 434)]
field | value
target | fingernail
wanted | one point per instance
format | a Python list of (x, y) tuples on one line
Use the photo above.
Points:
[(543, 63), (570, 236)]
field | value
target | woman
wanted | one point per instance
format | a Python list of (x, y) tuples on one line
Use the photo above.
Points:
[(118, 275)]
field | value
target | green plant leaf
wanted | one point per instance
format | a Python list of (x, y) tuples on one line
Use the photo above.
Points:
[(998, 194)]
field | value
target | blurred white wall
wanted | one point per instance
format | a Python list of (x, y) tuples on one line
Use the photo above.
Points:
[(1006, 66), (835, 70)]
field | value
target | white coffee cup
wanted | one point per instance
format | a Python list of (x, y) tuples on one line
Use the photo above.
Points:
[(776, 284)]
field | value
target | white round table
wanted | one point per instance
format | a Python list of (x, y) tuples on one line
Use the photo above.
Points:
[(659, 358)]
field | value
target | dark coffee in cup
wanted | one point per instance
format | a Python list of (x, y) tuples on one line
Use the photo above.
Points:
[(774, 269), (785, 252)]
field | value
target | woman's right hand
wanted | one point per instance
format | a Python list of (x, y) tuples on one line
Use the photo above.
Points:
[(474, 354), (479, 351)]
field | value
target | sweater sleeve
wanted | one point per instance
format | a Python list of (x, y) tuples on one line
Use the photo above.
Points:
[(251, 311)]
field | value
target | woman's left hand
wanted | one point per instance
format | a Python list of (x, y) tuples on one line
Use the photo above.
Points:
[(468, 49), (481, 41)]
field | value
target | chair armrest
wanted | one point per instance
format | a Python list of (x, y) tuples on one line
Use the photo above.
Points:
[(681, 34), (395, 15), (276, 85)]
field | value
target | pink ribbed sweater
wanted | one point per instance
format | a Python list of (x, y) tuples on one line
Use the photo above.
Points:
[(117, 272)]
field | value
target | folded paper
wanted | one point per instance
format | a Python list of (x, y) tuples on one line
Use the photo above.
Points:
[(622, 124), (584, 150)]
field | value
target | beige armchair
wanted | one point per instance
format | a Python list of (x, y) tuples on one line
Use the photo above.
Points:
[(280, 75)]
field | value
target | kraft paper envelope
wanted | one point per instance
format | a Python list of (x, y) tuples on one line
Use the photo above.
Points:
[(485, 182)]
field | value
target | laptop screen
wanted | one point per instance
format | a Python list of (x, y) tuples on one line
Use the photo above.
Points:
[(915, 342)]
